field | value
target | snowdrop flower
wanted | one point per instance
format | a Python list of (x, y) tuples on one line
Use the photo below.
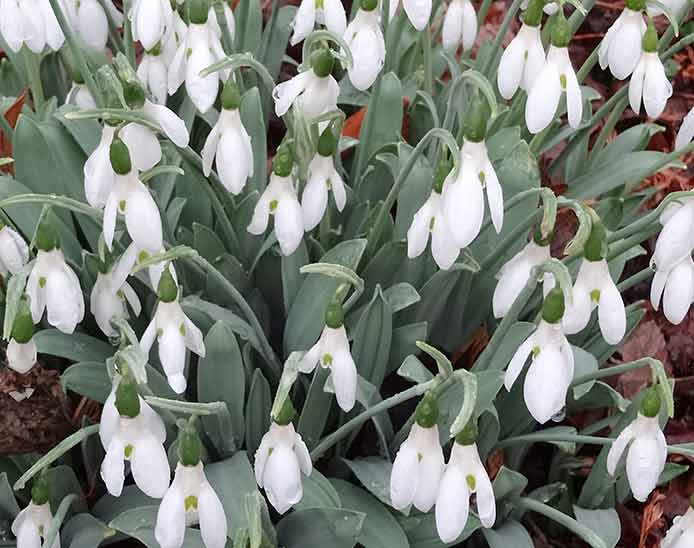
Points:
[(153, 73), (200, 49), (459, 25), (365, 40), (686, 132), (514, 275), (151, 20), (594, 287), (32, 524), (681, 534), (53, 285), (14, 252), (556, 77), (550, 8), (417, 11), (90, 21), (131, 430), (279, 199), (552, 363), (463, 194), (330, 13), (332, 351), (620, 49), (649, 79), (21, 350), (80, 96), (676, 241), (109, 296), (430, 219), (419, 464), (280, 460), (190, 499), (676, 287), (646, 448), (524, 57), (322, 178), (678, 9), (174, 332), (314, 91), (131, 198), (230, 144), (464, 475), (31, 23)]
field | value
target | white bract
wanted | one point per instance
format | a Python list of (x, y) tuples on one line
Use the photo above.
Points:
[(514, 276), (280, 199), (649, 82), (417, 470), (417, 11), (463, 196), (80, 96), (280, 460), (365, 40), (322, 178), (140, 440), (550, 373), (21, 356), (459, 25), (174, 332), (200, 49), (620, 49), (676, 287), (430, 219), (14, 252), (151, 21), (31, 23), (557, 77), (681, 534), (54, 286), (594, 287), (464, 475), (88, 18), (646, 454), (521, 62), (311, 94), (110, 294), (686, 131), (332, 352), (190, 500), (330, 13), (230, 145), (32, 524)]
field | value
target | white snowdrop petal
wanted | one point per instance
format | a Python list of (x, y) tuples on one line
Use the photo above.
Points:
[(463, 206), (611, 313), (452, 505), (170, 527), (289, 225), (150, 466), (344, 376), (304, 20), (543, 100), (617, 449), (686, 131), (679, 291), (515, 366), (545, 385), (657, 89), (143, 220), (452, 30), (428, 481), (645, 462), (403, 477), (486, 502), (636, 86), (213, 522), (143, 146), (282, 479), (469, 25), (113, 467), (510, 73), (172, 353), (314, 201), (418, 12), (334, 16)]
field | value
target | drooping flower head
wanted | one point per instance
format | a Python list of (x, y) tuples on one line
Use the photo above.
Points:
[(417, 11), (21, 350), (31, 525), (330, 13), (89, 19), (649, 83), (31, 23), (459, 25), (365, 40), (681, 534), (620, 49), (14, 251)]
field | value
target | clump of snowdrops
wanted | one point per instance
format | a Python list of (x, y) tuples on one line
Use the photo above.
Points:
[(238, 310)]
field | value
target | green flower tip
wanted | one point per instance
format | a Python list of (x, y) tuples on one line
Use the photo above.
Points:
[(231, 96), (468, 435), (287, 414), (368, 5), (322, 62), (553, 307), (134, 94), (636, 5), (596, 247), (651, 403), (23, 327), (120, 157), (334, 315), (127, 398), (283, 163), (327, 143), (46, 236), (533, 15), (189, 446), (40, 491), (427, 412), (561, 30), (650, 38), (198, 11), (167, 289)]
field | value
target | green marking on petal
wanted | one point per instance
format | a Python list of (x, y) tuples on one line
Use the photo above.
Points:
[(562, 81), (120, 295), (432, 223), (42, 282), (471, 482), (121, 205), (182, 329), (160, 332), (142, 256), (482, 177), (419, 457), (273, 205), (536, 351), (191, 503), (327, 360), (128, 451), (595, 295)]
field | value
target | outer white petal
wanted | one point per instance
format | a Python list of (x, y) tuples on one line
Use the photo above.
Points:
[(545, 385), (213, 522), (108, 425), (516, 364), (209, 151), (150, 466), (261, 213), (510, 73), (37, 296), (463, 206), (625, 50), (282, 479), (64, 299), (535, 60), (675, 241), (574, 99), (443, 246), (311, 358), (617, 449), (657, 89), (232, 160), (110, 218), (645, 462), (495, 196), (431, 468), (14, 251), (403, 477), (27, 534), (202, 91), (172, 353), (152, 422), (339, 192), (418, 12), (452, 30), (469, 25), (21, 357), (486, 502), (92, 24), (314, 201), (172, 126), (543, 99), (611, 314), (304, 20), (286, 93), (344, 376), (150, 23), (143, 146), (289, 224), (193, 338), (99, 177), (54, 35), (143, 220), (452, 504), (171, 521), (11, 24), (262, 453), (368, 49), (303, 457), (113, 467), (686, 131), (177, 69), (334, 16), (679, 291), (636, 86), (657, 287), (418, 233)]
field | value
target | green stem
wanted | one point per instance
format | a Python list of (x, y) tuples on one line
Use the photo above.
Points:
[(637, 278), (588, 65), (610, 124), (482, 13), (678, 46), (648, 219), (626, 244), (32, 62), (53, 200), (552, 437), (426, 57), (112, 29), (611, 371)]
